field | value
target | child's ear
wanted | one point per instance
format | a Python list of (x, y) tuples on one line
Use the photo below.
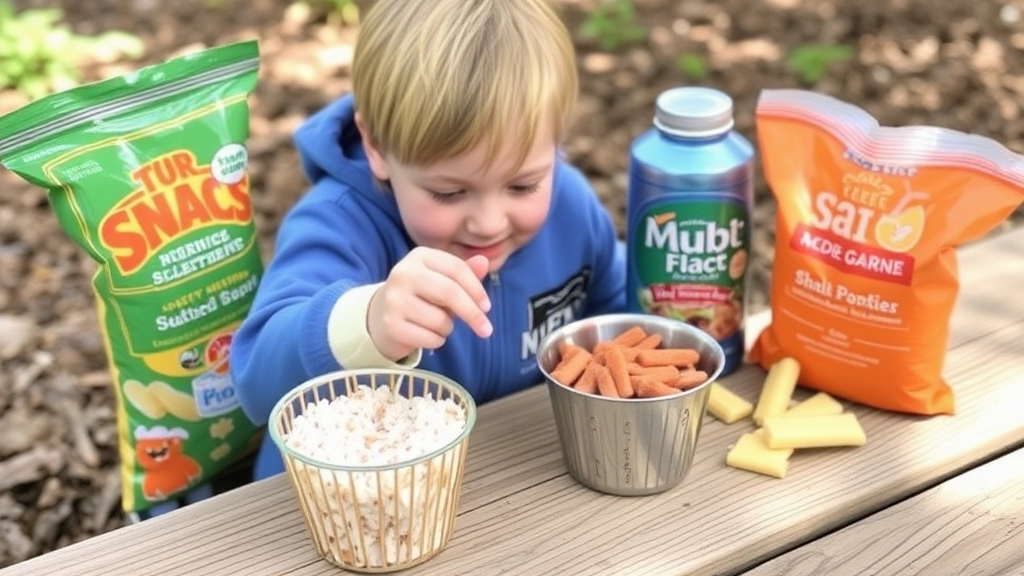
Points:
[(376, 158)]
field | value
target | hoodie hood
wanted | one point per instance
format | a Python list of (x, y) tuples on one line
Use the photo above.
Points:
[(330, 147)]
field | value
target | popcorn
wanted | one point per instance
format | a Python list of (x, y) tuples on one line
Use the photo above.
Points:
[(380, 517)]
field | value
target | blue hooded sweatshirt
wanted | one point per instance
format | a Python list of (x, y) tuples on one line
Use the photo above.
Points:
[(345, 232)]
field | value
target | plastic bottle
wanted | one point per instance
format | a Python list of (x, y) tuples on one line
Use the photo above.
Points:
[(689, 216)]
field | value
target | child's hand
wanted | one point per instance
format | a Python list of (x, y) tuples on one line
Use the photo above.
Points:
[(417, 305)]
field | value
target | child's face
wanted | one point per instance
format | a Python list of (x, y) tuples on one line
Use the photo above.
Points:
[(458, 206)]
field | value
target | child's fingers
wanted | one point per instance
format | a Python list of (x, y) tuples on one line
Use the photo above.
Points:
[(467, 274), (472, 315), (432, 319), (400, 321), (417, 336), (457, 290), (479, 265)]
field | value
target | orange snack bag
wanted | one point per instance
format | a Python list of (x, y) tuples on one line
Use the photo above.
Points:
[(865, 274)]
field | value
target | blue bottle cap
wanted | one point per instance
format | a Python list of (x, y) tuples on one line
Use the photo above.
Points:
[(693, 112)]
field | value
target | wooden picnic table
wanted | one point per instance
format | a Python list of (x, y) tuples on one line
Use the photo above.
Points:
[(924, 496)]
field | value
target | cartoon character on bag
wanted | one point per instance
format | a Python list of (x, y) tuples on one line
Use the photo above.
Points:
[(167, 469)]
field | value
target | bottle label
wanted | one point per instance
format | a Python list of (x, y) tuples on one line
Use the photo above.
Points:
[(689, 259)]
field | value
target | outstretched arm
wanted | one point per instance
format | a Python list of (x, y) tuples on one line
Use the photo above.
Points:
[(324, 249)]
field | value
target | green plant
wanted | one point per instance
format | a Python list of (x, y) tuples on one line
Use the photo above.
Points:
[(810, 62), (345, 12), (614, 24), (340, 12), (41, 55), (693, 66)]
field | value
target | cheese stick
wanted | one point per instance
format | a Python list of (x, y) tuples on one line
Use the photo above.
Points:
[(814, 431), (818, 405), (725, 405), (777, 390), (753, 454)]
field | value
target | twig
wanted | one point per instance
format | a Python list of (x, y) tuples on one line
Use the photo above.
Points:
[(14, 541), (30, 466), (94, 379), (108, 499), (80, 432), (27, 376), (45, 531)]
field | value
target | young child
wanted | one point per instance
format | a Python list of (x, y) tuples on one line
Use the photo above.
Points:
[(442, 230)]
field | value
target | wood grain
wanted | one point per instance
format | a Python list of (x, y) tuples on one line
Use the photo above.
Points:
[(520, 513), (722, 520), (971, 524)]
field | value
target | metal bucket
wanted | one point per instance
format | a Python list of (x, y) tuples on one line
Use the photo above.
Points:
[(629, 446)]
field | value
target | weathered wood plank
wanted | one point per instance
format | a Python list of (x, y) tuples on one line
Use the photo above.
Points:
[(520, 512), (723, 520), (263, 521), (989, 276), (971, 524)]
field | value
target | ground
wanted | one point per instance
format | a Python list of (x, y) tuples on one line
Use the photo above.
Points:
[(951, 63)]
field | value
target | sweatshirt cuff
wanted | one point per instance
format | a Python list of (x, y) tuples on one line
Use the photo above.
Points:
[(349, 339)]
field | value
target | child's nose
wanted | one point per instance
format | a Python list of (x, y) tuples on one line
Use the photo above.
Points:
[(489, 217)]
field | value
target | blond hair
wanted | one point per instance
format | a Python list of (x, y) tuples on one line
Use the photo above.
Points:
[(434, 78)]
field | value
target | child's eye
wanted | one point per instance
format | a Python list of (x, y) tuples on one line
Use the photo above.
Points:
[(526, 188), (446, 197)]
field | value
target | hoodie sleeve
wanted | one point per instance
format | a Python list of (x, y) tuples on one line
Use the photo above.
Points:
[(322, 252), (607, 293), (349, 338)]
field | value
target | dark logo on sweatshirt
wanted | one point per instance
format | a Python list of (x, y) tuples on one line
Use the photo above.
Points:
[(553, 309)]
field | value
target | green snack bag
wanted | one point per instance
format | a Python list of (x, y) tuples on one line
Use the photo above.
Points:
[(147, 172)]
